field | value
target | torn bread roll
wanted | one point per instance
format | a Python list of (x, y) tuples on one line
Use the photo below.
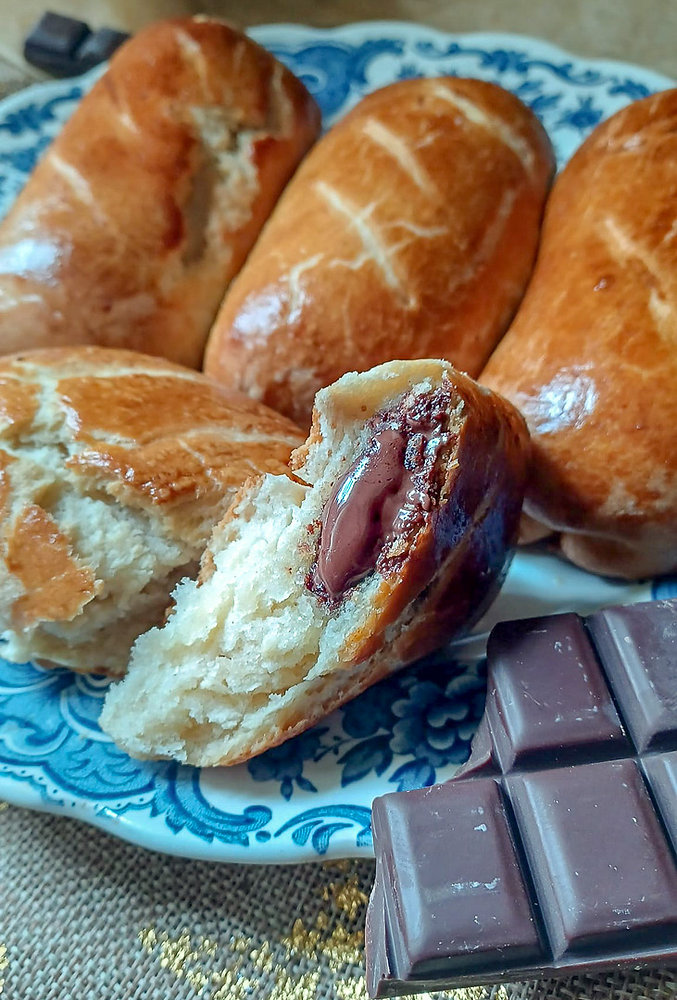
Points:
[(591, 358), (392, 535), (115, 468), (408, 232), (145, 206)]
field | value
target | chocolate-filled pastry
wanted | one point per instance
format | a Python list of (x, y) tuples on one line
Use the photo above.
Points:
[(392, 535), (145, 206), (114, 468), (409, 231), (591, 358)]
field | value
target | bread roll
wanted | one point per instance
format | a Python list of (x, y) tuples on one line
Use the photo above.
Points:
[(115, 468), (136, 219), (591, 358), (409, 231), (392, 535)]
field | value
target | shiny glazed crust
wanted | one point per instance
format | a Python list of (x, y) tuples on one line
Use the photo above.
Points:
[(132, 225), (591, 358), (114, 464), (408, 232)]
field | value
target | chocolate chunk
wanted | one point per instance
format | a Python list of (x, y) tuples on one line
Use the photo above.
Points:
[(64, 46), (99, 46), (466, 853), (556, 707), (604, 874), (385, 496), (353, 520), (638, 652), (661, 773), (53, 43), (575, 763)]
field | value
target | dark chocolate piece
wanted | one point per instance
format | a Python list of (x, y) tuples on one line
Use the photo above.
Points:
[(553, 705), (352, 524), (639, 655), (661, 772), (385, 496), (604, 874), (482, 869), (64, 46), (99, 46), (574, 772)]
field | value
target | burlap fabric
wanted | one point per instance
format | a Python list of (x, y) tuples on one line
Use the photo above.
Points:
[(14, 75), (87, 917)]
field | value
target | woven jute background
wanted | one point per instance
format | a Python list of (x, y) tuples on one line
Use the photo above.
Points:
[(84, 916), (14, 76)]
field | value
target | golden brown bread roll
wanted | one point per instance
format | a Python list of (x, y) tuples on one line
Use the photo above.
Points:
[(136, 219), (591, 358), (393, 534), (409, 231), (114, 469)]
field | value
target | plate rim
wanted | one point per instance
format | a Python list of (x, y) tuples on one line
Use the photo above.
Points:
[(153, 833), (516, 38), (377, 27)]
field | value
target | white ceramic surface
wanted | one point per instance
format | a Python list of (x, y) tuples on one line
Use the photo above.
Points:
[(311, 797)]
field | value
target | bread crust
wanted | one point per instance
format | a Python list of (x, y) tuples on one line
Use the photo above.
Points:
[(408, 232), (250, 659), (459, 558), (146, 204), (591, 358), (450, 577), (88, 425)]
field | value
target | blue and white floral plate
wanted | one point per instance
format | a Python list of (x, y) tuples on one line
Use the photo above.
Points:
[(311, 797)]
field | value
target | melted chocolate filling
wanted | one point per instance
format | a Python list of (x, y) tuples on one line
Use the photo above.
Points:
[(386, 495)]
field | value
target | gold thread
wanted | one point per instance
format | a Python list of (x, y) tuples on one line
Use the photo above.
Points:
[(339, 865), (3, 806), (347, 896), (289, 968), (148, 938), (340, 947), (4, 965), (351, 988), (293, 986)]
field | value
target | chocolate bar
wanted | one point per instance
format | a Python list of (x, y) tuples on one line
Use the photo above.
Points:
[(64, 46), (553, 850)]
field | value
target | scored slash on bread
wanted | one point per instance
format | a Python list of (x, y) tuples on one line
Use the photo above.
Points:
[(591, 357), (114, 468), (391, 535), (146, 204), (409, 231)]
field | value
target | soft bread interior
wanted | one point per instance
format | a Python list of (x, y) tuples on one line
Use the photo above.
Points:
[(105, 506), (133, 556), (135, 564), (250, 654)]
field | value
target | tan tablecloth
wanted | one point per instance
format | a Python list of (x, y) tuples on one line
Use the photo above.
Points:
[(84, 916), (640, 31)]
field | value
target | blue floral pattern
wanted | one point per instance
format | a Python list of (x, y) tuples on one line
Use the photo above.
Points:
[(424, 717), (434, 727), (664, 588), (285, 763), (312, 795), (334, 72)]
